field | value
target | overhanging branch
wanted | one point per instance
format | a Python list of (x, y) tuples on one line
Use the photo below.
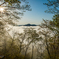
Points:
[(2, 3)]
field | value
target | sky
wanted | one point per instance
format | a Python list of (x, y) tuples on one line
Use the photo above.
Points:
[(37, 14)]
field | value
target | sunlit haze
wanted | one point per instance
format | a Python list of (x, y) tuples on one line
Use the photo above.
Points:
[(1, 9)]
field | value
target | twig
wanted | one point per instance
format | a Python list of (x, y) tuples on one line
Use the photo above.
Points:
[(2, 3)]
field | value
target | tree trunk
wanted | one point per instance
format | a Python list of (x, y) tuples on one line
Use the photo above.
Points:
[(32, 51), (26, 51), (48, 49)]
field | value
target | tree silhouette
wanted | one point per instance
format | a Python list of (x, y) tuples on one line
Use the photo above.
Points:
[(53, 25), (12, 9), (53, 6)]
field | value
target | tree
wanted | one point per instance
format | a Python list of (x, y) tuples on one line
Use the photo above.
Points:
[(51, 42), (10, 11), (32, 38), (53, 6), (53, 25), (55, 20), (21, 38), (13, 8)]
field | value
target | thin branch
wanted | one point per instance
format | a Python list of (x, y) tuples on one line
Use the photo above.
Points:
[(2, 3), (10, 7)]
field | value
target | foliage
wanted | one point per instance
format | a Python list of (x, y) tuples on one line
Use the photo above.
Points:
[(52, 48), (52, 42), (12, 1), (15, 47), (55, 20), (11, 13), (10, 50), (53, 6), (13, 10)]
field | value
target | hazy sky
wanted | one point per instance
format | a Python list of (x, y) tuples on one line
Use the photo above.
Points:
[(37, 14)]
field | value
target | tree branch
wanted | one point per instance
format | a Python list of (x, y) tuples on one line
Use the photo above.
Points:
[(2, 3)]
